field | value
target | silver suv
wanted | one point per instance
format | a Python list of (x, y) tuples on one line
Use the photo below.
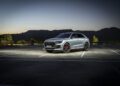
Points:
[(66, 42)]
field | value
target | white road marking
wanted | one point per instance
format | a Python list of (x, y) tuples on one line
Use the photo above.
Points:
[(115, 52), (82, 54), (118, 50)]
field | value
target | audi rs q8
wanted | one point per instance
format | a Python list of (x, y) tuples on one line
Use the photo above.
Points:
[(67, 41)]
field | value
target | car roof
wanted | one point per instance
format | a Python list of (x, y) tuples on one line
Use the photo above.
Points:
[(72, 32)]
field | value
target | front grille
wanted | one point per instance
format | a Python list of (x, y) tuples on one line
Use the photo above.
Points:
[(49, 44)]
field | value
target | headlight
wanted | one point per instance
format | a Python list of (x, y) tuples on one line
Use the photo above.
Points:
[(58, 42)]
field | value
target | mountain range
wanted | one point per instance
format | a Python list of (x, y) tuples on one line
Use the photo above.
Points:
[(111, 34)]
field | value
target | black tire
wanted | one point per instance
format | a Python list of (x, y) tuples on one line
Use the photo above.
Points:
[(86, 46), (49, 51), (66, 48)]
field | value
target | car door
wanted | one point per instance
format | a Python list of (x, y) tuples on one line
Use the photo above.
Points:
[(75, 41), (81, 40)]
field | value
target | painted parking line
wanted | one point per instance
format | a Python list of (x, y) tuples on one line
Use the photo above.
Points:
[(118, 50), (83, 53), (115, 52)]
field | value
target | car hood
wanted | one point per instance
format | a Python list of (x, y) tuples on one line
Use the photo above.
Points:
[(55, 39)]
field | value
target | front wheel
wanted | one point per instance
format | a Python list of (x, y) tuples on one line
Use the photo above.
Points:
[(66, 48)]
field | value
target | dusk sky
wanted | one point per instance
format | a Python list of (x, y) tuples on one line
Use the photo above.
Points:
[(18, 16)]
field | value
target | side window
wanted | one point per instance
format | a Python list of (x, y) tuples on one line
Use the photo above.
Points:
[(77, 36), (74, 36), (80, 36)]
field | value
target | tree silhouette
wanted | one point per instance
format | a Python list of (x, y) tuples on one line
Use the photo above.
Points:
[(6, 40), (9, 39), (21, 42), (95, 40)]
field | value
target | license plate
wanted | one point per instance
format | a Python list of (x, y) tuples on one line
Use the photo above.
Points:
[(48, 46)]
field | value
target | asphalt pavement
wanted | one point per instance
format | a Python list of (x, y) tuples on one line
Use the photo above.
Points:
[(35, 67)]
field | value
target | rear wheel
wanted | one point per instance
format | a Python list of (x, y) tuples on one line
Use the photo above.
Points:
[(86, 46), (66, 48)]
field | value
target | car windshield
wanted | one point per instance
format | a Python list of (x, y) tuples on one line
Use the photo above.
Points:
[(63, 35)]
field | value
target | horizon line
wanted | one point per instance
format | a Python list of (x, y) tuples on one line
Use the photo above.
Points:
[(54, 30)]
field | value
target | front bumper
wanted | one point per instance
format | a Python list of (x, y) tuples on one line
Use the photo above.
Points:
[(53, 46)]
